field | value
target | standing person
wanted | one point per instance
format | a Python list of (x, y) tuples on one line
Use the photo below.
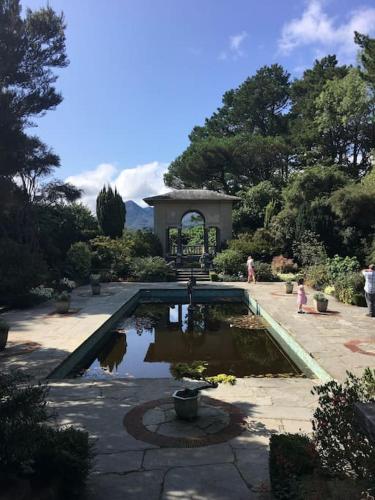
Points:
[(301, 296), (369, 275), (250, 269)]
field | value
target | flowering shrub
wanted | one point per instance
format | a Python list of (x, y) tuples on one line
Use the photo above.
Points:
[(42, 292), (281, 264), (343, 449)]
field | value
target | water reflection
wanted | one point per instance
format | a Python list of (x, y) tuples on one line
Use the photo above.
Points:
[(160, 335)]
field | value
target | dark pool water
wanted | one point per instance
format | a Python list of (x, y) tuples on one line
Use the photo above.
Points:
[(156, 337)]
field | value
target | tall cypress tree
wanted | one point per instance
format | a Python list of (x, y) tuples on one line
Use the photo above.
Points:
[(111, 212)]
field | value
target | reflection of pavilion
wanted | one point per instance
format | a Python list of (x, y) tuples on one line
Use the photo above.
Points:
[(114, 352), (192, 338)]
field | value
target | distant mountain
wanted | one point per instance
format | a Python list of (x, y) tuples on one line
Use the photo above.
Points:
[(138, 217)]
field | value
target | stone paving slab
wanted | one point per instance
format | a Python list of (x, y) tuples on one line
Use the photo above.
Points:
[(209, 482), (169, 457), (130, 468), (140, 485)]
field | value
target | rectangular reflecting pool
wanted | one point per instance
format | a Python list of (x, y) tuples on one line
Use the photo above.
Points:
[(157, 336)]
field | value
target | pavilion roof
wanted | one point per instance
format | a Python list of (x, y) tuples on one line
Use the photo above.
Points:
[(190, 195)]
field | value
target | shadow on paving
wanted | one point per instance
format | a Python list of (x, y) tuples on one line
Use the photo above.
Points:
[(129, 468)]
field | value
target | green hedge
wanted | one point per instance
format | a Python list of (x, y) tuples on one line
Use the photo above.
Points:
[(151, 269)]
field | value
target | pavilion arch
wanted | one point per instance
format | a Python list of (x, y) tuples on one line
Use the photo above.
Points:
[(170, 208)]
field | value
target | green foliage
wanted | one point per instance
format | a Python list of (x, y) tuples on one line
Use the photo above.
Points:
[(64, 457), (309, 251), (312, 184), (250, 215), (341, 266), (343, 449), (222, 378), (21, 269), (291, 457), (355, 205), (214, 276), (344, 118), (260, 245), (349, 288), (151, 269), (196, 370), (29, 448), (78, 261), (263, 272), (317, 276), (59, 226), (142, 243), (111, 256), (111, 212), (367, 57), (229, 164), (320, 297), (230, 262)]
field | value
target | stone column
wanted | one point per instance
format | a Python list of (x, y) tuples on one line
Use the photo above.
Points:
[(205, 239), (179, 240)]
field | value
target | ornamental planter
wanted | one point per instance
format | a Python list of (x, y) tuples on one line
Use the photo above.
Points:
[(288, 287), (186, 403), (95, 287), (4, 329), (321, 305), (62, 306)]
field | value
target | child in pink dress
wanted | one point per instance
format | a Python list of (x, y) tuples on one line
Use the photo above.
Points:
[(301, 297)]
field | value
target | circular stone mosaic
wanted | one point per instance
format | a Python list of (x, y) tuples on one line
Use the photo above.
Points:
[(155, 422)]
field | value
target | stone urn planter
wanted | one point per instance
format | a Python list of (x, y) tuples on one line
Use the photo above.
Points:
[(186, 403), (62, 303), (288, 287), (320, 302), (95, 284), (4, 329)]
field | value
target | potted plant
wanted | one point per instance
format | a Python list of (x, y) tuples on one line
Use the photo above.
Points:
[(321, 302), (288, 286), (4, 329), (186, 403), (95, 284), (62, 302)]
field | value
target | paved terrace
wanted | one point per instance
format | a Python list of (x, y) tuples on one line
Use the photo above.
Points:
[(130, 468)]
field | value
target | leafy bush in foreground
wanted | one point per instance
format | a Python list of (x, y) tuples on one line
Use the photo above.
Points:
[(291, 456), (343, 449), (32, 450)]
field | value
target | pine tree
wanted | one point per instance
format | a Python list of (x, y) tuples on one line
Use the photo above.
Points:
[(111, 212)]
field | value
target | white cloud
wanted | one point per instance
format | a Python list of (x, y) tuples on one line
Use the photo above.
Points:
[(132, 183), (315, 27), (234, 50)]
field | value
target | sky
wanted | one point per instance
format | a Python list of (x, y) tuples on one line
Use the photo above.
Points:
[(143, 73)]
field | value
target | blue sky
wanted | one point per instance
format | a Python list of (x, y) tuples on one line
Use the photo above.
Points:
[(142, 73)]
